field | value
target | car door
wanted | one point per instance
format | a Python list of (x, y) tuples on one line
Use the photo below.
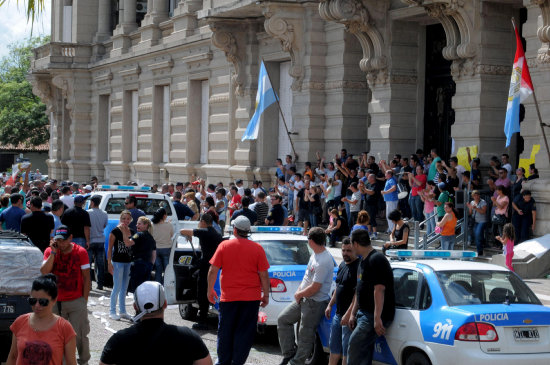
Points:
[(407, 284)]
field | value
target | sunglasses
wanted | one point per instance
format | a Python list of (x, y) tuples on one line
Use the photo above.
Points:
[(42, 301)]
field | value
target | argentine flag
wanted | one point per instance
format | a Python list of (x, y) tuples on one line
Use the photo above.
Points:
[(521, 87), (264, 98)]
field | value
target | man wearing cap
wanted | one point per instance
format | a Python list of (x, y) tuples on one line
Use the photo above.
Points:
[(151, 340), (209, 240), (243, 278), (78, 221), (69, 262), (38, 225), (96, 251)]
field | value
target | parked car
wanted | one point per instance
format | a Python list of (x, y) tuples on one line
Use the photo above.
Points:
[(20, 263)]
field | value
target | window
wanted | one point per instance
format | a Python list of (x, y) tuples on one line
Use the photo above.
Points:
[(285, 101), (148, 205), (483, 287), (286, 252), (135, 117), (406, 287), (205, 94)]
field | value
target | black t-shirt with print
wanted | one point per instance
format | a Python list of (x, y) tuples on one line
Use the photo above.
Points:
[(346, 283), (121, 253)]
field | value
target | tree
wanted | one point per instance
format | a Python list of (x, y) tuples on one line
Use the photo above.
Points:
[(34, 8), (22, 114)]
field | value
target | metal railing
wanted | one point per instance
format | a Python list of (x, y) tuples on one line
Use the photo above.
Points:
[(427, 240)]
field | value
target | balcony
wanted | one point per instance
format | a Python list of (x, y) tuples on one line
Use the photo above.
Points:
[(56, 55)]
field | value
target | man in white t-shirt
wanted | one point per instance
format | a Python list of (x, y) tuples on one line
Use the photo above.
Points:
[(505, 159), (310, 302)]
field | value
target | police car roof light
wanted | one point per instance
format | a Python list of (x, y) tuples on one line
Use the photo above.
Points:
[(276, 229), (124, 187), (431, 254)]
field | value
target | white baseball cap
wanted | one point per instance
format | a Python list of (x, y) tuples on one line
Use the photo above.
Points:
[(242, 223), (148, 297)]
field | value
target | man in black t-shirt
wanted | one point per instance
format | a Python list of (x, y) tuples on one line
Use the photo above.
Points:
[(373, 196), (276, 215), (209, 240), (346, 282), (373, 306), (151, 340), (523, 219), (78, 221), (38, 225)]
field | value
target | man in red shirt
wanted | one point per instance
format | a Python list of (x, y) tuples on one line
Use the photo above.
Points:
[(243, 279), (70, 263)]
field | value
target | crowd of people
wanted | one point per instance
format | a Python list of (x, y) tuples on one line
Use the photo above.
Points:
[(337, 200)]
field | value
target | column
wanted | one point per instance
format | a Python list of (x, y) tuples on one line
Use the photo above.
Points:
[(104, 21), (127, 24), (157, 11), (185, 17)]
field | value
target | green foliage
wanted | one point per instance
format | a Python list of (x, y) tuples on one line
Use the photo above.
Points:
[(34, 8), (22, 114)]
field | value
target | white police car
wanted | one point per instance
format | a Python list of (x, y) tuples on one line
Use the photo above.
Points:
[(287, 252), (114, 196), (462, 312)]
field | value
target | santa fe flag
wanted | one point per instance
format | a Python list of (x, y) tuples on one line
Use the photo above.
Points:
[(521, 87)]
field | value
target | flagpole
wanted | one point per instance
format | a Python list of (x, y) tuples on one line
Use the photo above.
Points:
[(283, 116), (541, 123)]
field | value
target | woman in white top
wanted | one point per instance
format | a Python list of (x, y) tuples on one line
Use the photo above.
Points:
[(163, 232)]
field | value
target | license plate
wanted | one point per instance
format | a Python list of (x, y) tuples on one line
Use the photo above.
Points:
[(526, 334), (4, 308)]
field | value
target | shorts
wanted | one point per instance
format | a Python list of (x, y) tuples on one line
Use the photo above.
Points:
[(339, 336), (303, 215)]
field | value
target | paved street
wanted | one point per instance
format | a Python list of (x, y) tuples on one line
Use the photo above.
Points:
[(265, 350)]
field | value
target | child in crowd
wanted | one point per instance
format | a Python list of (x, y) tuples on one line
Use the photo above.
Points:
[(507, 239)]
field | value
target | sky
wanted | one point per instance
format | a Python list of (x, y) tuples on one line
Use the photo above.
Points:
[(14, 26)]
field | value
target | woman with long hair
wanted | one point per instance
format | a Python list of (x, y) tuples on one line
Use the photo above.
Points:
[(500, 203), (447, 227), (337, 229), (119, 260), (42, 334), (163, 232), (144, 250), (518, 184)]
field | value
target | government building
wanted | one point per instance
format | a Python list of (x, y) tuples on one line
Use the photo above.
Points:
[(159, 90)]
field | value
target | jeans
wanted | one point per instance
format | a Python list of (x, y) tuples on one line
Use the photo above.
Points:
[(309, 312), (339, 336), (430, 223), (479, 236), (76, 312), (121, 278), (291, 202), (312, 220), (81, 241), (140, 272), (416, 207), (390, 207), (236, 331), (447, 242), (522, 224), (373, 211), (163, 256), (352, 219), (361, 342), (96, 253), (346, 204)]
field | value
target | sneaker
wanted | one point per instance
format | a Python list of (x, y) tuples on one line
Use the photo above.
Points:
[(375, 234), (114, 316), (125, 316)]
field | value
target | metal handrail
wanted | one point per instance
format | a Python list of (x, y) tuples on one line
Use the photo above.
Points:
[(428, 239)]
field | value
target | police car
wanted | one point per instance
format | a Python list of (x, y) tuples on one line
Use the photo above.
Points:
[(287, 252), (462, 312), (114, 196)]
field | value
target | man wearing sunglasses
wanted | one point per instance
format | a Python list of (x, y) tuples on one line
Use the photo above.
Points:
[(69, 262)]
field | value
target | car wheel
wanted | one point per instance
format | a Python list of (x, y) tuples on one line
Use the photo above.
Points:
[(188, 312), (318, 356), (417, 358)]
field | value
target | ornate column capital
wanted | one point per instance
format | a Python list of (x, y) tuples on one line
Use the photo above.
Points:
[(42, 89), (290, 32), (66, 85), (355, 16), (223, 37)]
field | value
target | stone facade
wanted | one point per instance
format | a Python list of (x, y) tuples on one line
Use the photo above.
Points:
[(126, 102)]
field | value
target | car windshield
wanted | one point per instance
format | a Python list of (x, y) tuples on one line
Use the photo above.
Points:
[(148, 205), (286, 252), (484, 287)]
